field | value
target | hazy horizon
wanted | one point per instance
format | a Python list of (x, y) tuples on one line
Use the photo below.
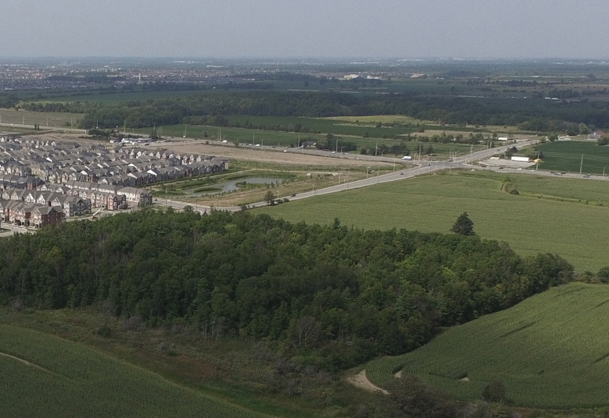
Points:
[(274, 29)]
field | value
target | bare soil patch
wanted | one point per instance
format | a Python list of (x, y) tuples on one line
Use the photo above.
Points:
[(361, 381), (264, 156), (189, 146)]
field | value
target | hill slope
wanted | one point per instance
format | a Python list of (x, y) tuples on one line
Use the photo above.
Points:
[(45, 376), (552, 350)]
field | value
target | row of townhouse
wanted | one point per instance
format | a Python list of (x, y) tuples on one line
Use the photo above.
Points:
[(68, 205), (109, 196), (60, 163), (21, 213), (78, 198)]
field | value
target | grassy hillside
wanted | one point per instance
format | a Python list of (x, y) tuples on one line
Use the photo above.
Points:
[(549, 215), (44, 375), (551, 351)]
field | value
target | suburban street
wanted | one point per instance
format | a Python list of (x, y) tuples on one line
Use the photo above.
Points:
[(12, 229)]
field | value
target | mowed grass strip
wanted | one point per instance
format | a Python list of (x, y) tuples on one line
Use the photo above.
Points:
[(66, 379), (530, 224), (550, 351)]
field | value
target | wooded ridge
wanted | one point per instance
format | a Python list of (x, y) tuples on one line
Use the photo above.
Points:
[(330, 296)]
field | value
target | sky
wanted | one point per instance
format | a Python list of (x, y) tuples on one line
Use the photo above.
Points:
[(306, 28)]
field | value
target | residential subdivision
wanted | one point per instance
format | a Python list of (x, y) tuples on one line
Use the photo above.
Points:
[(44, 182)]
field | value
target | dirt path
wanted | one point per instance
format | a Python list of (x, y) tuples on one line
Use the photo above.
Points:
[(361, 381), (27, 363)]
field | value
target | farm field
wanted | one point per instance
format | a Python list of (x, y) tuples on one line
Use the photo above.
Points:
[(567, 156), (529, 223), (44, 119), (70, 380), (113, 97), (550, 351), (355, 126), (280, 139)]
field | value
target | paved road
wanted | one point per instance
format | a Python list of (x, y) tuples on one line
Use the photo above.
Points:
[(12, 229), (423, 168)]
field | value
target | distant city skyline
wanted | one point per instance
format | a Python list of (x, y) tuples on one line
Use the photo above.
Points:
[(519, 29)]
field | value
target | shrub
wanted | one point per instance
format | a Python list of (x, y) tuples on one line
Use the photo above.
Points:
[(494, 391)]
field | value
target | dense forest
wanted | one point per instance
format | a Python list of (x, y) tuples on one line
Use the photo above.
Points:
[(530, 114), (329, 296)]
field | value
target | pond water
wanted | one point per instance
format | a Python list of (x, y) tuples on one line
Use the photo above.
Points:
[(233, 185)]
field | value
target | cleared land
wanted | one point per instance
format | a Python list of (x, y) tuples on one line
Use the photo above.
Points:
[(550, 351), (70, 380), (257, 155), (44, 119), (565, 219)]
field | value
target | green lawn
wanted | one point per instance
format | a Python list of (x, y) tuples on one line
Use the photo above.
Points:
[(550, 351), (65, 379), (528, 222)]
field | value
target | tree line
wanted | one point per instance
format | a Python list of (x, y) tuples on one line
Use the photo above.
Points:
[(329, 296), (213, 106)]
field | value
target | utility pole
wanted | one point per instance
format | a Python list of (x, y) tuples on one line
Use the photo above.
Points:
[(581, 164)]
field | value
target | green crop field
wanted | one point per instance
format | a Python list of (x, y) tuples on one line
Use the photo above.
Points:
[(51, 377), (396, 126), (550, 351), (250, 137), (567, 156), (531, 222)]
